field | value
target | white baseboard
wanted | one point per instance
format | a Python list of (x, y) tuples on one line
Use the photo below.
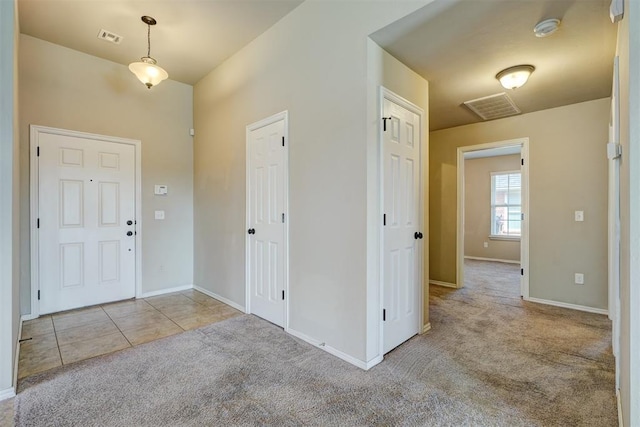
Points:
[(220, 298), (477, 258), (620, 419), (29, 316), (567, 305), (445, 284), (426, 328), (339, 354), (17, 359), (373, 362), (165, 291), (7, 393)]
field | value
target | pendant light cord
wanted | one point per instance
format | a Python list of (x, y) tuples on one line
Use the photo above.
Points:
[(148, 40)]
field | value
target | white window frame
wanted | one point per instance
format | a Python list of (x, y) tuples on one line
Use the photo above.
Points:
[(492, 235)]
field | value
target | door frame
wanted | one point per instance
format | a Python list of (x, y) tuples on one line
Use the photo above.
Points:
[(614, 223), (283, 115), (34, 195), (524, 238), (397, 99)]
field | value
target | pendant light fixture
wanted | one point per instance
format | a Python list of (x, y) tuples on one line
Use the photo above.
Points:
[(515, 77), (146, 70)]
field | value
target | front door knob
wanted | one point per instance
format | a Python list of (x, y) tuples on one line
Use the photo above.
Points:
[(129, 233)]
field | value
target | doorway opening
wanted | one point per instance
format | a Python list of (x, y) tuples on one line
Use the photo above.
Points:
[(493, 210)]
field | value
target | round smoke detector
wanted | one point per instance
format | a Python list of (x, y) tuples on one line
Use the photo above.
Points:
[(547, 27)]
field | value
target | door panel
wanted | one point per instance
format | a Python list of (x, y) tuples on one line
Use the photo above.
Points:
[(86, 193), (71, 202), (401, 199), (72, 265), (266, 247), (109, 204)]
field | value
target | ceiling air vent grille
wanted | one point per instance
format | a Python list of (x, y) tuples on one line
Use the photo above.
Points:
[(493, 106), (109, 36)]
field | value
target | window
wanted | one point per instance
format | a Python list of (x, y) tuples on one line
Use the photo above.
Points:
[(506, 204)]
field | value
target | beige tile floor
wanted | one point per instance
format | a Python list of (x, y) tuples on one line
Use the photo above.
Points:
[(71, 336)]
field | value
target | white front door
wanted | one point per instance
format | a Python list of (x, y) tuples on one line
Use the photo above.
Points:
[(86, 211), (266, 217), (402, 233)]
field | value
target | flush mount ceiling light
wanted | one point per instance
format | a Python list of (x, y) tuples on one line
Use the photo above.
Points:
[(546, 28), (515, 77), (146, 70)]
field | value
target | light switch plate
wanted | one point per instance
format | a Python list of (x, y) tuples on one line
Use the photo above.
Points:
[(579, 215), (579, 279), (159, 214)]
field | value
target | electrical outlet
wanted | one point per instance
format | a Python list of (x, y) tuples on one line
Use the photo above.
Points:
[(486, 244), (579, 279)]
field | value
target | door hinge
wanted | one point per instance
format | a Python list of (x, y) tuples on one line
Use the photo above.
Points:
[(384, 219), (522, 162), (283, 294), (384, 123), (38, 152), (522, 217), (384, 315), (38, 225), (522, 271), (283, 218), (38, 294), (283, 141)]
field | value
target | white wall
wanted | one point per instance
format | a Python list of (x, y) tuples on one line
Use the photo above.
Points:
[(76, 91), (634, 223), (9, 218), (312, 63), (628, 49)]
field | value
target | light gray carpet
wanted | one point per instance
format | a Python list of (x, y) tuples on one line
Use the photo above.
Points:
[(489, 360)]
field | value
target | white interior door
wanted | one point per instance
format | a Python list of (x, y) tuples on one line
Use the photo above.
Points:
[(402, 234), (86, 200), (266, 256)]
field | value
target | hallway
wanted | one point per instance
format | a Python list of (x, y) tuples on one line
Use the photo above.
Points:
[(549, 365)]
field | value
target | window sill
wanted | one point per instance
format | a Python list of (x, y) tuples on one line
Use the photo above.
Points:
[(506, 238)]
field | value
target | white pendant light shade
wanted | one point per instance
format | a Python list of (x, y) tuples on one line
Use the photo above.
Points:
[(148, 72), (515, 77)]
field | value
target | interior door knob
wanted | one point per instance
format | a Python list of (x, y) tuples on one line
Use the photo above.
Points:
[(417, 235), (252, 231)]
